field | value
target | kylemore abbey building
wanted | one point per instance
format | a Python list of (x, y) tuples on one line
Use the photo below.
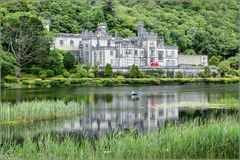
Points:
[(147, 49)]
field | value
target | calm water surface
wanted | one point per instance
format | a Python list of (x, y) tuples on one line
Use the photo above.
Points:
[(115, 108)]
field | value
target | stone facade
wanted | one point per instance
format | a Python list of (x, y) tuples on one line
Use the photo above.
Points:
[(192, 59), (99, 47)]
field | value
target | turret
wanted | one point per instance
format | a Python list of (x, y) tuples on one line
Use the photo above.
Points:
[(102, 28), (140, 29)]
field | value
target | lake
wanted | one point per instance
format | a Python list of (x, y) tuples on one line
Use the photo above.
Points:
[(110, 108)]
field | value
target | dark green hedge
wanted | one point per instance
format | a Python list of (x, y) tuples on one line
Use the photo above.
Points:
[(75, 82)]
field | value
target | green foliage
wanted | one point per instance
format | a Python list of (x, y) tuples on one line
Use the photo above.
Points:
[(90, 73), (68, 60), (230, 66), (108, 71), (7, 62), (214, 61), (54, 61), (35, 69), (121, 81), (23, 35), (86, 66), (135, 72), (234, 62), (10, 79), (207, 72), (50, 73), (197, 27), (153, 73), (65, 73), (190, 52), (179, 75), (37, 111), (210, 139), (82, 73), (42, 74), (96, 70)]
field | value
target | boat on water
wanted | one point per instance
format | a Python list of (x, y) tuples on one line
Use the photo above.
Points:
[(136, 93)]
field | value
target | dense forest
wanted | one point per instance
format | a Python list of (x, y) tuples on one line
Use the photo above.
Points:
[(208, 27)]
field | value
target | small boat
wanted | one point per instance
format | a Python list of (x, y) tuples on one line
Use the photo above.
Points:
[(136, 93)]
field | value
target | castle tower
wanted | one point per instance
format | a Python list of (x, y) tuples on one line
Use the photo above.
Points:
[(102, 28), (140, 29)]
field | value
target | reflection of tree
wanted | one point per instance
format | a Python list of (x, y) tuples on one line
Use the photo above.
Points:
[(95, 99), (108, 98), (90, 98)]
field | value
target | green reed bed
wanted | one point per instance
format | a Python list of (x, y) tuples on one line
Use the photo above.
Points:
[(228, 103), (212, 139), (36, 111)]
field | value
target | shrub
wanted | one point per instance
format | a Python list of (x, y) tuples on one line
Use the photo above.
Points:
[(38, 82), (42, 74), (108, 71), (207, 72), (55, 61), (96, 70), (57, 82), (90, 73), (27, 70), (201, 75), (214, 74), (35, 70), (82, 73), (179, 75), (108, 82), (135, 72), (28, 82), (10, 79), (65, 73), (170, 74), (214, 61), (50, 73), (68, 60), (120, 79)]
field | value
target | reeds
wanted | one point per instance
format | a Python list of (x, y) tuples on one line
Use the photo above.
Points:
[(36, 111), (211, 139), (228, 103)]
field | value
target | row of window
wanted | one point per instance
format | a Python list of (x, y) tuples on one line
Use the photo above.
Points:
[(61, 42), (171, 63)]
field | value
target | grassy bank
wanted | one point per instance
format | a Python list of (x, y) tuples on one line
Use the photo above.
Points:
[(230, 103), (212, 139), (120, 81), (36, 111)]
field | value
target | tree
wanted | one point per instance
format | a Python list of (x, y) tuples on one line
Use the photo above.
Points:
[(108, 71), (190, 52), (135, 72), (96, 69), (224, 68), (24, 37), (207, 72), (7, 63), (109, 8), (68, 60), (54, 61), (82, 73), (234, 62), (214, 61), (90, 73)]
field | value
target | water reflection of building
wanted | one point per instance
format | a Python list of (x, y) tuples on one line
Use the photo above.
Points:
[(124, 112), (121, 110)]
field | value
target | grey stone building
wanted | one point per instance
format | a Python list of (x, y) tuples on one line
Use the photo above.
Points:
[(143, 50)]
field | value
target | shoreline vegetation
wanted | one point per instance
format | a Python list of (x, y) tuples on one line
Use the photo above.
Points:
[(214, 139), (119, 81), (37, 111), (228, 103)]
